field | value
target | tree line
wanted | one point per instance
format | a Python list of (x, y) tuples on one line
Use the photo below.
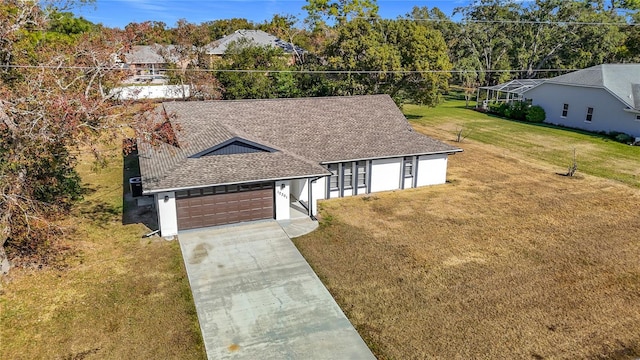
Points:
[(491, 41)]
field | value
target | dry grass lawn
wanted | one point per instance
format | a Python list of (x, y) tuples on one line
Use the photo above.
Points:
[(507, 260), (113, 296)]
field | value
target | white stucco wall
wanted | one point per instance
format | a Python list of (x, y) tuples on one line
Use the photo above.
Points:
[(300, 189), (608, 111), (282, 195), (334, 194), (167, 214), (151, 92), (385, 174), (432, 170), (318, 191)]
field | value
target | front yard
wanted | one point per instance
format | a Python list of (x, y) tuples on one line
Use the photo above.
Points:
[(506, 260)]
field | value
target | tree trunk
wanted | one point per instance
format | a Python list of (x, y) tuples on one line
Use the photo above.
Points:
[(4, 262), (5, 265)]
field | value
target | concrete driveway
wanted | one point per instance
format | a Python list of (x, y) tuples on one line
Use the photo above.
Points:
[(257, 298)]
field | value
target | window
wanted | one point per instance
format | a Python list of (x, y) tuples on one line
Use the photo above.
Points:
[(347, 172), (637, 117), (589, 114), (362, 173), (565, 110), (408, 167), (333, 179)]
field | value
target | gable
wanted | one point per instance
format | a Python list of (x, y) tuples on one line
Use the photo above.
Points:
[(635, 94), (232, 146), (617, 79)]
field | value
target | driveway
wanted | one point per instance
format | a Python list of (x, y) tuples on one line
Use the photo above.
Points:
[(257, 298)]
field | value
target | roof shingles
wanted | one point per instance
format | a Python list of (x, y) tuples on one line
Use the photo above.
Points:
[(617, 78), (306, 132)]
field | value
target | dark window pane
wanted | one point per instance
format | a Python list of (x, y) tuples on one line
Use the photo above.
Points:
[(333, 179)]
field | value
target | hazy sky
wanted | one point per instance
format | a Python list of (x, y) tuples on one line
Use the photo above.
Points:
[(118, 13)]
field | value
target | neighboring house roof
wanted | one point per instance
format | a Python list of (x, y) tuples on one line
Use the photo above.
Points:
[(151, 54), (618, 79), (284, 138), (257, 37)]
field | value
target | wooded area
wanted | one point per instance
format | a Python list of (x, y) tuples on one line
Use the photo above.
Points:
[(57, 70)]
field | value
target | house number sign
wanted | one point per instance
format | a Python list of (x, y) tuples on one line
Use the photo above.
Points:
[(282, 193)]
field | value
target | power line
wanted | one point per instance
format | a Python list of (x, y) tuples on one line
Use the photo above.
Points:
[(366, 72), (530, 22)]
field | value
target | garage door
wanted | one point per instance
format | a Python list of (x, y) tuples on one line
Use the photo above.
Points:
[(224, 205)]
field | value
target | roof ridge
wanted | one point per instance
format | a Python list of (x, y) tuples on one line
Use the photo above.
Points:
[(287, 99)]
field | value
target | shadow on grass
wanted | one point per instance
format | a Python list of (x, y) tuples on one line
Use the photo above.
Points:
[(140, 209), (100, 213)]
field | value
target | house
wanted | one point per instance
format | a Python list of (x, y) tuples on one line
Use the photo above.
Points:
[(147, 60), (148, 80), (240, 160), (600, 98), (218, 48)]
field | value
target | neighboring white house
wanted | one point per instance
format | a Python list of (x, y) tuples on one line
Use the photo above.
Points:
[(148, 66), (243, 160), (600, 98)]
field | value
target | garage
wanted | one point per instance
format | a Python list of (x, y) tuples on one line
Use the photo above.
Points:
[(228, 204)]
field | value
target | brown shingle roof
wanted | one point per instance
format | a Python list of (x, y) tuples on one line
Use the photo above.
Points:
[(305, 131)]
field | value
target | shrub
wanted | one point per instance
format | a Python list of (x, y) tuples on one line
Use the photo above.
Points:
[(536, 114), (494, 108), (499, 108), (517, 110), (624, 138)]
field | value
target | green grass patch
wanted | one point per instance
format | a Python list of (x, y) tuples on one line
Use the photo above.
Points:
[(596, 154)]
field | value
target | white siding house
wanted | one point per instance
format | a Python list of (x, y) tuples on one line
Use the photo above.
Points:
[(600, 98), (245, 160)]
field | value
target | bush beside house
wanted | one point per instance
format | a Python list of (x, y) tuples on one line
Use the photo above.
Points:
[(518, 110)]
